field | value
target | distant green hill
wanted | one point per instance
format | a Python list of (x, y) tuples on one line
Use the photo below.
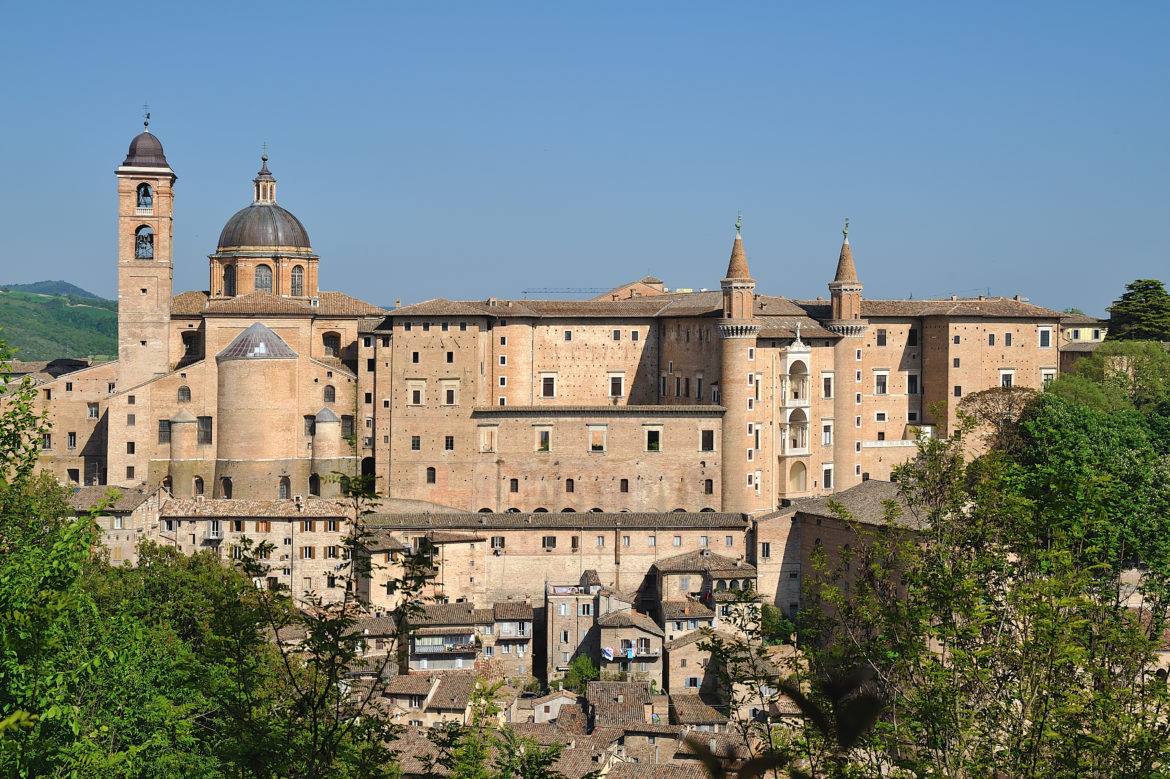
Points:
[(43, 324), (52, 288)]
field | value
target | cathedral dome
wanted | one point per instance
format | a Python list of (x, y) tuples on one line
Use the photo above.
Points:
[(146, 152), (263, 224)]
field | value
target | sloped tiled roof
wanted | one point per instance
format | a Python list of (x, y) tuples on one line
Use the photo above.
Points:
[(997, 307), (685, 609), (1081, 319), (123, 499), (629, 619), (695, 710), (189, 303), (329, 304), (703, 561), (517, 610), (260, 509), (553, 520), (865, 501), (657, 771), (454, 692), (435, 614), (410, 684), (615, 703)]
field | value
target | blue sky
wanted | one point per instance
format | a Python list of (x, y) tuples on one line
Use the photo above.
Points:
[(476, 149)]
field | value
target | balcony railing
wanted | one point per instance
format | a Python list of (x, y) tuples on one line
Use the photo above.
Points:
[(432, 649), (213, 535)]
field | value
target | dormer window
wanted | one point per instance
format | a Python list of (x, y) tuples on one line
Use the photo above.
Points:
[(144, 243)]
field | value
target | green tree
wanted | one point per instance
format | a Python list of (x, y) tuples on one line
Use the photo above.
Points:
[(1141, 314), (581, 672)]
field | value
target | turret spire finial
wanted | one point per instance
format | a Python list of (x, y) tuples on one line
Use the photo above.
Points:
[(738, 222), (845, 232), (264, 152)]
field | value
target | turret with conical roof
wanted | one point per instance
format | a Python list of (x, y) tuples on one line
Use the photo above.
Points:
[(740, 483), (845, 294)]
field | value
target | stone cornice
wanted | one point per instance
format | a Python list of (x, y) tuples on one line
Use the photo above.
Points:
[(738, 329)]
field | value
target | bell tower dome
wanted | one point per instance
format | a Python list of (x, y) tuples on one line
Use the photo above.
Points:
[(145, 262)]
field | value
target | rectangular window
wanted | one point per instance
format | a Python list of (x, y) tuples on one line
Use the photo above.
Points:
[(707, 440), (651, 541), (503, 340), (130, 419), (625, 540), (991, 339), (653, 440), (498, 542), (543, 439), (449, 396), (47, 441), (955, 363), (617, 335), (958, 391), (164, 431), (415, 443), (765, 549), (597, 439), (416, 397), (346, 425), (827, 387), (308, 552), (449, 443), (1007, 339), (450, 357), (548, 387), (568, 335), (857, 398), (71, 440), (414, 357), (880, 416), (881, 337), (203, 430), (616, 386), (827, 435), (1005, 379), (678, 386), (503, 383), (92, 410), (699, 387), (1045, 338), (881, 381), (912, 337), (678, 540), (601, 540), (857, 354), (624, 485), (503, 359), (751, 353), (956, 340), (634, 335), (549, 542), (912, 384)]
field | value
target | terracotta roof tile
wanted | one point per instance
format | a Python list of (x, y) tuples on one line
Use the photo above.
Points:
[(454, 692), (120, 498), (512, 610), (455, 614), (737, 266), (657, 771), (497, 411), (865, 501), (629, 619), (616, 703), (685, 609), (410, 684), (329, 304), (190, 303), (247, 509), (703, 561), (695, 710), (543, 521)]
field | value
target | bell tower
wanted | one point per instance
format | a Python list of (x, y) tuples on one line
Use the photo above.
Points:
[(145, 267)]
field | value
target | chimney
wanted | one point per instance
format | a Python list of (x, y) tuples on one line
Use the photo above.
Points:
[(398, 302)]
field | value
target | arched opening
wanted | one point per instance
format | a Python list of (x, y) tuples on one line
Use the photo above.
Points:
[(512, 510), (797, 478), (197, 486), (144, 243), (567, 510), (735, 584), (226, 487), (747, 584), (229, 280), (145, 196), (332, 344), (540, 510), (367, 466), (297, 285), (706, 510), (721, 585), (330, 393), (430, 475), (595, 511), (285, 490), (190, 344), (708, 486), (797, 438), (485, 511), (798, 381), (263, 279), (184, 394), (314, 485), (679, 511)]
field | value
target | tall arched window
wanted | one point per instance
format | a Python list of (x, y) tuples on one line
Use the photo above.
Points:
[(330, 394), (229, 280), (285, 488), (263, 278), (144, 243), (145, 196), (227, 487), (184, 394), (298, 281), (314, 484), (430, 475), (570, 485), (197, 487)]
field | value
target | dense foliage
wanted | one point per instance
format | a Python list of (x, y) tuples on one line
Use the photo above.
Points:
[(1142, 313), (45, 326)]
